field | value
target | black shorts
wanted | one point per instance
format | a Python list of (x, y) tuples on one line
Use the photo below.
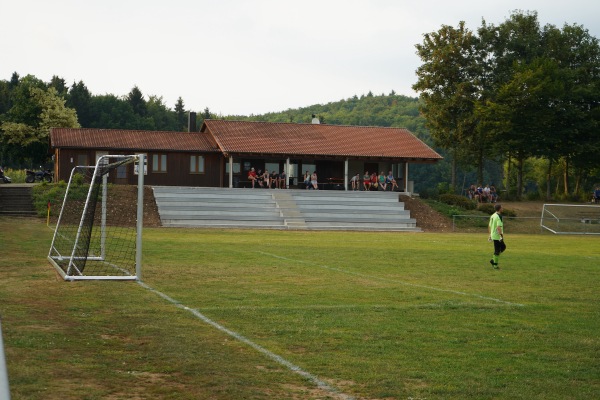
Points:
[(499, 247)]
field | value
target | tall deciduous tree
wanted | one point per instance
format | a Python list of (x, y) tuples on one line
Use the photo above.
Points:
[(515, 91), (33, 136), (447, 82)]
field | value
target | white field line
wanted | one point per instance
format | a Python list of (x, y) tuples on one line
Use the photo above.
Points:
[(391, 280), (280, 360)]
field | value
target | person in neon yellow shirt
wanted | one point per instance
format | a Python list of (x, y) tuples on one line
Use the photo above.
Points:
[(496, 234)]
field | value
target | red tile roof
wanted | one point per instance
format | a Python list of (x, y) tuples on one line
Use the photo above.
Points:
[(317, 140), (104, 139), (257, 138)]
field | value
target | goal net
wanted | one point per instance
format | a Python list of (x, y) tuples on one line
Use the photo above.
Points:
[(98, 232), (574, 219)]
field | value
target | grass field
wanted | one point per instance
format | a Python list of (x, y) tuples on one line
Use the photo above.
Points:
[(248, 314)]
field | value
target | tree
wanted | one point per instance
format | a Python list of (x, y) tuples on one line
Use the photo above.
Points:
[(59, 84), (180, 112), (577, 113), (447, 82), (164, 119), (512, 92), (79, 98), (33, 136), (135, 98), (110, 112)]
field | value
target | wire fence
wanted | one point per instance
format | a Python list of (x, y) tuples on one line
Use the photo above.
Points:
[(479, 224), (529, 225)]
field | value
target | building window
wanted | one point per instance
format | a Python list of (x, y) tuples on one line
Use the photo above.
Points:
[(197, 164), (82, 159), (122, 172), (159, 163), (236, 167)]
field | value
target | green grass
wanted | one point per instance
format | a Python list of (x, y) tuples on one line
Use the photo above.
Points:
[(374, 315)]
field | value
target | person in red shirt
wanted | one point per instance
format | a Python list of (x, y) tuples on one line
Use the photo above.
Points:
[(252, 176)]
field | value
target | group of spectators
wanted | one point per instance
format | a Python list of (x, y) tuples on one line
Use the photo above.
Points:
[(267, 180), (374, 181), (275, 180), (311, 181), (483, 194)]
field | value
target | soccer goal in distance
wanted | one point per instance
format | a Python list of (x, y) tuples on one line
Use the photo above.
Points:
[(98, 234), (571, 219)]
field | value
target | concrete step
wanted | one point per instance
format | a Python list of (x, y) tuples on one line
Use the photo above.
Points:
[(16, 200), (282, 209)]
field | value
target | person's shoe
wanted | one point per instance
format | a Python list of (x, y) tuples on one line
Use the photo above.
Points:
[(492, 262)]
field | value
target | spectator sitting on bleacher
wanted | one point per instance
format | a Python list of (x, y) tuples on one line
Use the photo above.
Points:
[(283, 180), (479, 194), (252, 176), (391, 181), (314, 181), (274, 180), (382, 184), (307, 180), (355, 181), (260, 178), (471, 192), (486, 193), (493, 193), (367, 181), (374, 184)]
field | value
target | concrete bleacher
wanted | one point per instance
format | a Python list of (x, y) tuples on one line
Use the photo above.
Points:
[(282, 209)]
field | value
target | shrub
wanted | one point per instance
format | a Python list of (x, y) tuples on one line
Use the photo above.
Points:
[(457, 200), (453, 211), (489, 209)]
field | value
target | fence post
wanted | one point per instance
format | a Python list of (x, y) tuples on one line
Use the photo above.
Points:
[(4, 391)]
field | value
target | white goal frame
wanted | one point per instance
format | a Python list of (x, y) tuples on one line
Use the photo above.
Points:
[(556, 224), (70, 271)]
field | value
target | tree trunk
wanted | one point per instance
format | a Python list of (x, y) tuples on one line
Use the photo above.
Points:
[(566, 176), (480, 166), (548, 181), (520, 163), (453, 171), (508, 175)]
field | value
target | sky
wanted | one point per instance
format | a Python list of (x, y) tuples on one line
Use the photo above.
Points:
[(245, 57)]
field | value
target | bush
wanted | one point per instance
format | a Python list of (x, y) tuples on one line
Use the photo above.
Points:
[(16, 175), (489, 209), (457, 200)]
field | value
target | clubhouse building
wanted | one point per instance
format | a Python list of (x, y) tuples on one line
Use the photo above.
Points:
[(223, 152)]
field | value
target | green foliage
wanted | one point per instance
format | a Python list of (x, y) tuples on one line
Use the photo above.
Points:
[(16, 175), (26, 126), (457, 200), (515, 90), (384, 110), (54, 193), (488, 208)]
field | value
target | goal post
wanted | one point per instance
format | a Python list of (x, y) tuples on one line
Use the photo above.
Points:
[(571, 219), (98, 234)]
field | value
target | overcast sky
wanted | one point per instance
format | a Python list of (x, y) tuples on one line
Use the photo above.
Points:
[(244, 57)]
